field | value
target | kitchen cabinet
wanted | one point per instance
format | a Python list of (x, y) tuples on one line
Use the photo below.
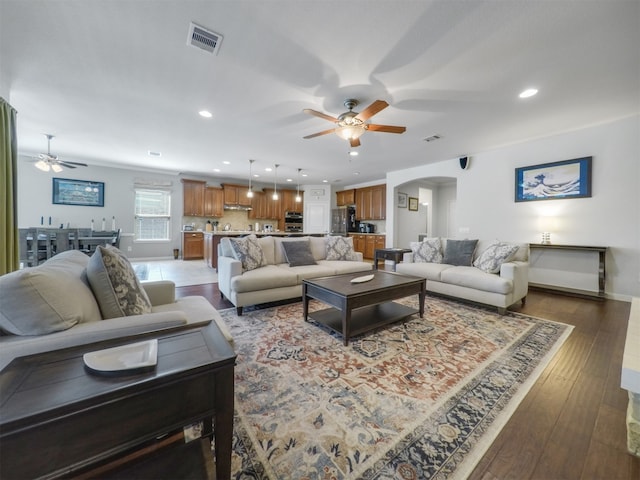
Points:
[(193, 196), (213, 202), (289, 203), (258, 206), (371, 203), (346, 197), (192, 245), (358, 242), (367, 244), (236, 195)]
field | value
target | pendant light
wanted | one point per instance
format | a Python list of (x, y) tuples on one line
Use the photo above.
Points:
[(298, 197), (275, 183), (250, 191)]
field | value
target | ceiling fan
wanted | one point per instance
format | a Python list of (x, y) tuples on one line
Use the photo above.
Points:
[(351, 125), (47, 162)]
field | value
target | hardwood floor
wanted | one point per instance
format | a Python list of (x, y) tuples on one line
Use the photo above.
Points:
[(571, 425)]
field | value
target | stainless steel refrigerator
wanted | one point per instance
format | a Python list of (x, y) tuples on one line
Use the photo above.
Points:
[(343, 221)]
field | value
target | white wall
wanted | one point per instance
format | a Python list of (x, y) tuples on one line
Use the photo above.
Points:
[(611, 217), (35, 201)]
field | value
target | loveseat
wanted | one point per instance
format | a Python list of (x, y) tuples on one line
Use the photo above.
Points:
[(489, 272), (73, 299), (255, 270)]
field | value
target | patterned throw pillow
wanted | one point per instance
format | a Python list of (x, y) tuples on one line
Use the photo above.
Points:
[(115, 285), (298, 253), (459, 252), (248, 251), (427, 251), (340, 248), (495, 255)]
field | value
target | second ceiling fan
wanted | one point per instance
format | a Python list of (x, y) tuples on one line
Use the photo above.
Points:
[(351, 125)]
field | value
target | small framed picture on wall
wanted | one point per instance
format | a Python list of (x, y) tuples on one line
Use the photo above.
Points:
[(402, 200), (413, 204)]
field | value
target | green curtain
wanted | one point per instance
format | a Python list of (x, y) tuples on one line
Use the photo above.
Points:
[(9, 252)]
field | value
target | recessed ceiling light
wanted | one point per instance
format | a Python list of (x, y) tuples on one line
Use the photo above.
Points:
[(356, 173), (205, 113), (216, 170), (256, 175), (227, 162), (353, 153), (529, 92), (289, 179), (268, 169), (154, 154), (325, 181), (304, 174)]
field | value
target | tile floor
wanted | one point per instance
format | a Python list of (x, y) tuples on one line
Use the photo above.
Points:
[(182, 273)]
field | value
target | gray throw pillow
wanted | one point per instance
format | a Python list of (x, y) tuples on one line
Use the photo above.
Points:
[(427, 251), (298, 253), (248, 251), (459, 252), (115, 285), (494, 256), (340, 248)]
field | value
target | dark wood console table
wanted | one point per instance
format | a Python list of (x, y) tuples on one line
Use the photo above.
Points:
[(59, 420), (602, 254)]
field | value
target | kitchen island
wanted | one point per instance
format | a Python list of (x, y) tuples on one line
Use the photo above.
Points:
[(212, 240)]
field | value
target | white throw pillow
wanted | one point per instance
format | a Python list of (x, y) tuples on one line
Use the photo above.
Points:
[(248, 251), (340, 248), (494, 256), (427, 251), (48, 298)]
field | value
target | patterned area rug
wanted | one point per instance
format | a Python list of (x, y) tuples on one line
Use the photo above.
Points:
[(419, 399)]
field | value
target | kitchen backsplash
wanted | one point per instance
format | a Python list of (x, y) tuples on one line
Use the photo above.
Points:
[(238, 219)]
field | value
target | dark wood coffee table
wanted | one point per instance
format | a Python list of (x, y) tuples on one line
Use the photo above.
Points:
[(360, 307), (58, 419)]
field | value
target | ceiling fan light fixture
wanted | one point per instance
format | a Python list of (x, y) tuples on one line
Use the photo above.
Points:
[(56, 168), (42, 165), (350, 132)]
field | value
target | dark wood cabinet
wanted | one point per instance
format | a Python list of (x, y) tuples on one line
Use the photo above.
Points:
[(213, 202), (371, 203), (236, 195), (192, 245), (367, 244), (193, 195), (346, 197)]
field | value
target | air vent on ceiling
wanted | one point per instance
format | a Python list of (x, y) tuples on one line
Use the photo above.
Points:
[(433, 138), (204, 39)]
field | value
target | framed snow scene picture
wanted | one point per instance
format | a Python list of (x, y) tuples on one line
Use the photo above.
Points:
[(553, 181)]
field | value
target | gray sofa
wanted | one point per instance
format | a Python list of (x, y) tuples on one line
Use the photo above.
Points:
[(508, 285), (53, 306), (276, 279)]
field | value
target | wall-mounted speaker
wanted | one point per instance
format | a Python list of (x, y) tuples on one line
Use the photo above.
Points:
[(465, 162)]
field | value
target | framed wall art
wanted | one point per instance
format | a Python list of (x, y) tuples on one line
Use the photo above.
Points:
[(402, 200), (413, 204), (86, 193), (553, 181)]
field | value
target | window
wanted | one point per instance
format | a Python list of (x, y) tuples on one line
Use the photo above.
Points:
[(152, 215)]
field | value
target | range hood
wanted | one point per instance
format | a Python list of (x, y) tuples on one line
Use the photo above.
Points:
[(237, 207)]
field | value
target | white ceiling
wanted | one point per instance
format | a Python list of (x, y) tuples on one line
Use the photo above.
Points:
[(115, 79)]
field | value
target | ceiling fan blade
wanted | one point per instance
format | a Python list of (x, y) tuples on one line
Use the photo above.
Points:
[(331, 130), (372, 109), (65, 162), (355, 142), (386, 128), (321, 115)]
